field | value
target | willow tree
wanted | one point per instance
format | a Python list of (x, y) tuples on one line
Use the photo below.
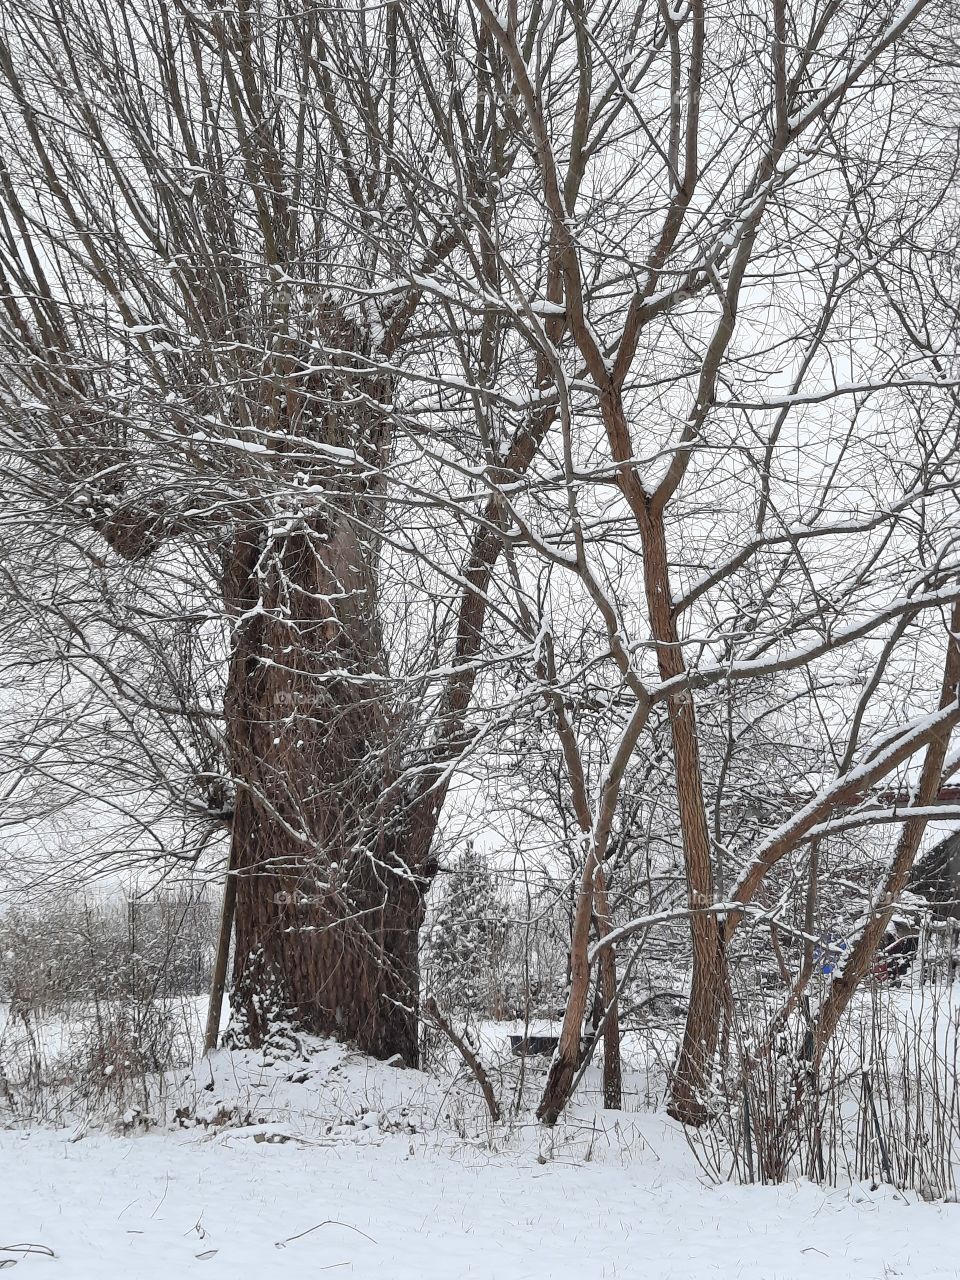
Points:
[(223, 353)]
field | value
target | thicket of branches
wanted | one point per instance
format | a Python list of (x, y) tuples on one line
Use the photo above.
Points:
[(428, 420)]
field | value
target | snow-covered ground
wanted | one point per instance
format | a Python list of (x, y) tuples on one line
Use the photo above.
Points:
[(162, 1205), (337, 1163)]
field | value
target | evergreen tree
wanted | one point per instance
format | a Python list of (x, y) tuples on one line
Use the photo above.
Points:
[(467, 936)]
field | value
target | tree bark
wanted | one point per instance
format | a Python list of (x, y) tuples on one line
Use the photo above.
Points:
[(560, 1078), (330, 871), (691, 1074)]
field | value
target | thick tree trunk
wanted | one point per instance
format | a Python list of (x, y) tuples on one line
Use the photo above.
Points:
[(341, 963), (330, 873)]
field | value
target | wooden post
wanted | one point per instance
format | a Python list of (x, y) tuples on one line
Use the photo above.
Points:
[(215, 1007)]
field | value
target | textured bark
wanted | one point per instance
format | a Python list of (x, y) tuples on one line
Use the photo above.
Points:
[(338, 964), (333, 856), (329, 889)]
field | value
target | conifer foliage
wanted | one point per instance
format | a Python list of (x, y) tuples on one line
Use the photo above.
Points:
[(467, 938)]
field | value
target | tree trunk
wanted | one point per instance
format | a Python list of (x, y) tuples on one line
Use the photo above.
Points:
[(692, 1070), (612, 1070), (341, 964), (330, 896), (556, 1092)]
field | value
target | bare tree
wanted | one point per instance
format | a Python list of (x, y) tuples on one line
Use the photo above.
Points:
[(730, 193), (218, 236), (587, 364)]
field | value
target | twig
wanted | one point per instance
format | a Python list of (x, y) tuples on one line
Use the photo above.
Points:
[(327, 1222)]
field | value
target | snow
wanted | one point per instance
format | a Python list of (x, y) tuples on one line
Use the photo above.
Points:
[(158, 1205), (542, 307), (335, 1162)]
